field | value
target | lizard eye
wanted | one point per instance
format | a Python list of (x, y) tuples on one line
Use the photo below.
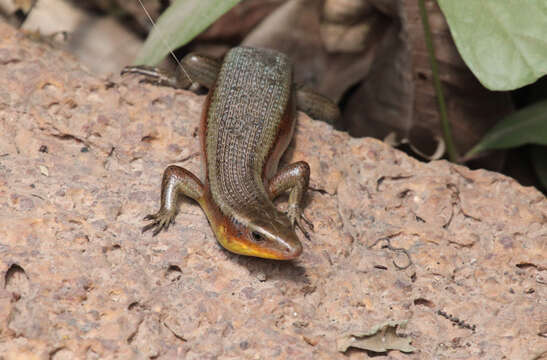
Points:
[(257, 236)]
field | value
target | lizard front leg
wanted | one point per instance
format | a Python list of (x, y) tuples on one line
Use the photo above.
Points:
[(176, 181), (295, 179)]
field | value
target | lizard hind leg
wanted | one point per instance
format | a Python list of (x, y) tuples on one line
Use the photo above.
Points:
[(194, 70), (317, 106), (176, 181)]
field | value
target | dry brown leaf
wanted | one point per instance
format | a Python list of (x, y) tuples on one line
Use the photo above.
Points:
[(380, 338)]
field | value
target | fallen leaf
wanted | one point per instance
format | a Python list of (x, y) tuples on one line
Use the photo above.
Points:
[(381, 338)]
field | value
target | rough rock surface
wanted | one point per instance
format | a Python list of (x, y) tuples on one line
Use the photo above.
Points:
[(80, 165)]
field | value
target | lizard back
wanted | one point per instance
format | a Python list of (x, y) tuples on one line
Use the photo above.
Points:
[(246, 108)]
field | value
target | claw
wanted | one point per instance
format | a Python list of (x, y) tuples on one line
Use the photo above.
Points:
[(295, 216), (308, 222), (149, 217), (147, 227), (158, 229), (306, 234), (159, 221)]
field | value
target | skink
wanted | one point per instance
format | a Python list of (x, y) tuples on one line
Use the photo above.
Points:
[(247, 123)]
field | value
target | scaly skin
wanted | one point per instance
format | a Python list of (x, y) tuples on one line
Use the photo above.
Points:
[(247, 123)]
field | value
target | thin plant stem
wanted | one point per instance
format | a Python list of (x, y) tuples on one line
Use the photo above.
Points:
[(445, 124)]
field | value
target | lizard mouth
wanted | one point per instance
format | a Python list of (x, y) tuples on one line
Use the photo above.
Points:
[(289, 253), (244, 247)]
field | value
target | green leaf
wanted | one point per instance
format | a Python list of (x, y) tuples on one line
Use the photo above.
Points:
[(539, 160), (504, 42), (526, 126), (179, 24)]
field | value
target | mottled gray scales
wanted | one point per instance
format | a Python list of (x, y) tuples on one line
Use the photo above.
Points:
[(249, 100)]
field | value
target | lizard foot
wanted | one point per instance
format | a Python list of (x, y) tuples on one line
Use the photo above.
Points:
[(159, 221), (298, 224)]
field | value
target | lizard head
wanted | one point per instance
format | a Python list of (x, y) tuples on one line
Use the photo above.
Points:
[(271, 237), (274, 240)]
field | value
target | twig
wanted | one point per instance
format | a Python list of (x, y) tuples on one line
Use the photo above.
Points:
[(445, 124)]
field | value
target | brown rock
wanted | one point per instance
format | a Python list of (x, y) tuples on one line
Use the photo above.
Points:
[(80, 280)]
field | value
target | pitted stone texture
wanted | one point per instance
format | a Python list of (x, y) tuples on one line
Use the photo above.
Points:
[(80, 165)]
